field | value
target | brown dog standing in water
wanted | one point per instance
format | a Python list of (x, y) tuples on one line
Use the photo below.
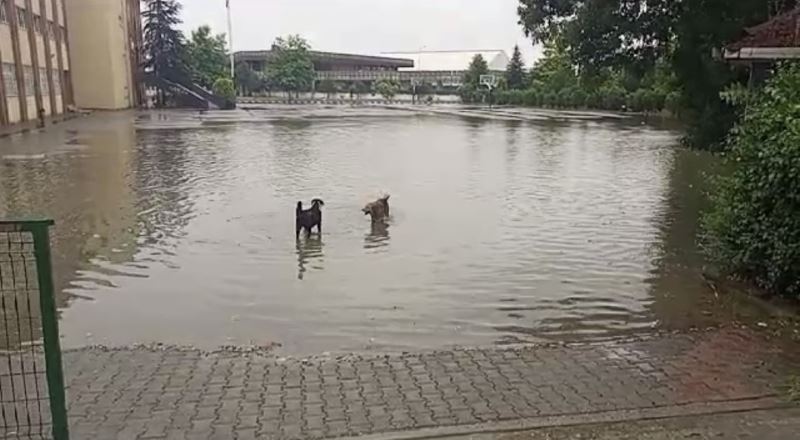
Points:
[(378, 210)]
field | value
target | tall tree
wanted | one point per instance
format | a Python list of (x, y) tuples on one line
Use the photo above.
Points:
[(291, 68), (634, 34), (515, 72), (207, 57), (163, 42), (555, 71), (247, 80), (478, 67), (328, 87)]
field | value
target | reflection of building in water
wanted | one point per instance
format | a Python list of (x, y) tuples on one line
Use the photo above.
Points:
[(86, 189), (161, 185), (59, 53)]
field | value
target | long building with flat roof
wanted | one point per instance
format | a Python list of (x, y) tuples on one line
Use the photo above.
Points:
[(329, 61), (439, 68), (452, 60)]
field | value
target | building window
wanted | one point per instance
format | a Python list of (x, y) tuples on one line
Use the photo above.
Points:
[(63, 33), (43, 84), (56, 82), (37, 23), (22, 17), (28, 76), (10, 79), (3, 17), (51, 29)]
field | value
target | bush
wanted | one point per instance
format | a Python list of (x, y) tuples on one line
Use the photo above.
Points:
[(612, 98), (672, 103), (224, 88), (387, 88), (594, 100), (471, 95), (753, 229), (516, 97), (659, 98), (550, 99), (532, 98), (578, 98)]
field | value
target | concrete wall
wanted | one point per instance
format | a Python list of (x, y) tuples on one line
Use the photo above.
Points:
[(98, 44), (95, 37)]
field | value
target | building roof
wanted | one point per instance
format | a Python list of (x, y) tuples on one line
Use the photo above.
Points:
[(452, 60), (318, 56), (781, 31)]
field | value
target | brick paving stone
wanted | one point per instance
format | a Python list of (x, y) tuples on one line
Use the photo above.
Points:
[(774, 424), (162, 393)]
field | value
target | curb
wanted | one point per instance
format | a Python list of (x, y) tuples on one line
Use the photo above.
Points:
[(635, 415)]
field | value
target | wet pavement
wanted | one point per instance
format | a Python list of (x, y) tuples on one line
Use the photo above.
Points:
[(163, 392), (774, 424), (510, 226)]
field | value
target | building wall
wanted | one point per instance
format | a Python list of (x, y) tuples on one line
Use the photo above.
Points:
[(28, 61), (101, 62), (99, 38)]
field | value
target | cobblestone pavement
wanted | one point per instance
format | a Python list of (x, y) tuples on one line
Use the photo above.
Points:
[(776, 424), (175, 394)]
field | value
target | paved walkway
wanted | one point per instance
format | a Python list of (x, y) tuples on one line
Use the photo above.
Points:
[(776, 424), (188, 394)]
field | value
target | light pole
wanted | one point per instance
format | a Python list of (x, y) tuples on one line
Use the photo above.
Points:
[(230, 37)]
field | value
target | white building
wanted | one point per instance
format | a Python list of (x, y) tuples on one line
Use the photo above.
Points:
[(447, 67), (451, 60)]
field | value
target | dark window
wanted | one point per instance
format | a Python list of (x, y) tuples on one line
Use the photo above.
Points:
[(51, 29), (63, 33), (43, 84), (22, 17), (3, 17), (28, 77), (10, 79), (37, 23), (56, 82)]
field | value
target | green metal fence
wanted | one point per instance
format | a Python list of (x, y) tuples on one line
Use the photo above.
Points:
[(32, 399)]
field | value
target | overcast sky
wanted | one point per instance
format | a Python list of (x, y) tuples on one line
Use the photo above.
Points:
[(367, 26)]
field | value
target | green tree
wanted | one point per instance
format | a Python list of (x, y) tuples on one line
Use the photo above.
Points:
[(387, 88), (163, 42), (515, 72), (634, 34), (477, 67), (207, 56), (224, 87), (290, 68), (471, 89), (328, 87), (247, 79), (555, 71), (753, 229)]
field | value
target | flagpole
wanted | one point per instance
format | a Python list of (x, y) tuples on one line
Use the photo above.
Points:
[(230, 36)]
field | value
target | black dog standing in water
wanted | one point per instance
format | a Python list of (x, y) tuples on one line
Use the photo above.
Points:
[(308, 218)]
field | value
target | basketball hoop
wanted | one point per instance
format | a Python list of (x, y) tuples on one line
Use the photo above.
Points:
[(490, 81)]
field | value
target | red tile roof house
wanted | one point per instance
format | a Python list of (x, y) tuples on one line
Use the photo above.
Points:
[(766, 44)]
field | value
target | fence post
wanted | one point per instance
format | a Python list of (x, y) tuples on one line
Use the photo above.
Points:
[(52, 343)]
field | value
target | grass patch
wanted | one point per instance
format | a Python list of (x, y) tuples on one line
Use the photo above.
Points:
[(793, 389)]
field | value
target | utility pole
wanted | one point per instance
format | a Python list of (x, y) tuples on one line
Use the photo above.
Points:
[(230, 37)]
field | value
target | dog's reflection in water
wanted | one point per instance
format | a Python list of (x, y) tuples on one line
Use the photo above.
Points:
[(378, 236), (309, 254)]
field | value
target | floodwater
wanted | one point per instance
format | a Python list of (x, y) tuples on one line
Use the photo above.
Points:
[(179, 228)]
